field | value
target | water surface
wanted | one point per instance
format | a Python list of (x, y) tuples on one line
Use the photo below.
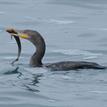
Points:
[(73, 30)]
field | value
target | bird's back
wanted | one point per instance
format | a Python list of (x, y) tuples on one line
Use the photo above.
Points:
[(73, 65)]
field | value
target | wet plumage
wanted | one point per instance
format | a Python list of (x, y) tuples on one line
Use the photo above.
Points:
[(39, 43)]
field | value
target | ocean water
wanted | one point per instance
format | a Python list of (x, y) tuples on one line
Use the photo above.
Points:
[(73, 30)]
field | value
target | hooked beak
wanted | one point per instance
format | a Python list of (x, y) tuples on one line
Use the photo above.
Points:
[(17, 33)]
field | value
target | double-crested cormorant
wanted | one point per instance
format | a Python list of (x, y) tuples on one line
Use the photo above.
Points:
[(39, 43)]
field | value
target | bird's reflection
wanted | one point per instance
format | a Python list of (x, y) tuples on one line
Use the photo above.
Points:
[(32, 86), (36, 79), (14, 71)]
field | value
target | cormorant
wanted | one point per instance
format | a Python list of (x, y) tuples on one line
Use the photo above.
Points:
[(39, 43)]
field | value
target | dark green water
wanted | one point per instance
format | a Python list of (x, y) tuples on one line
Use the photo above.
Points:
[(73, 30)]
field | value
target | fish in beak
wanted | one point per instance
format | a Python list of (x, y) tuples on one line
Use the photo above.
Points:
[(14, 34)]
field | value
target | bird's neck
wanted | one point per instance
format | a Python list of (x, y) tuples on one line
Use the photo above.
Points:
[(36, 59)]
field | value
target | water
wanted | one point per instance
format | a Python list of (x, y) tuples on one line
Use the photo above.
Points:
[(73, 30)]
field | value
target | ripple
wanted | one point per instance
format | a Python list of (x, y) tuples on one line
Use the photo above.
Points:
[(2, 12), (6, 69), (8, 3), (99, 92), (101, 29), (2, 28), (31, 21), (85, 54), (81, 3), (55, 21)]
